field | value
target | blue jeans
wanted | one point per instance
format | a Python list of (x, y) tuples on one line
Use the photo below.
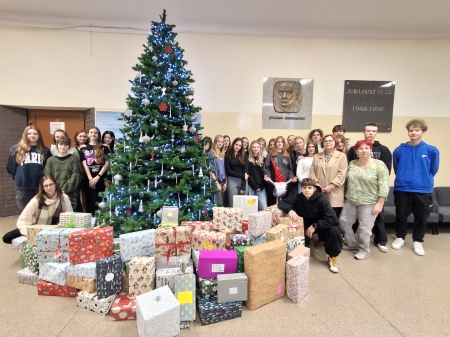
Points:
[(262, 198)]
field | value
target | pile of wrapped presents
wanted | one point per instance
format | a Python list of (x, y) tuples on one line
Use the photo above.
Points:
[(167, 278)]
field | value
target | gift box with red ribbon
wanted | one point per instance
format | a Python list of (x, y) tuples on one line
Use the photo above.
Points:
[(295, 227), (172, 241), (91, 245), (53, 244)]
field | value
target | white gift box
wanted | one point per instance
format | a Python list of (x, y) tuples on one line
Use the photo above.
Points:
[(169, 216), (248, 204), (86, 270), (174, 261), (167, 277), (297, 278), (76, 220), (91, 302), (158, 313), (141, 243), (19, 242), (54, 272), (25, 276), (259, 223)]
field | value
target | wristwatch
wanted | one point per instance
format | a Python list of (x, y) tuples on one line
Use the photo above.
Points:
[(315, 225)]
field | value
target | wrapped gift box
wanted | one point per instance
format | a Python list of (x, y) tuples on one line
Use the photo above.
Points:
[(25, 276), (92, 302), (205, 225), (185, 294), (167, 277), (169, 216), (297, 278), (299, 250), (276, 213), (30, 258), (50, 289), (173, 261), (240, 240), (173, 241), (265, 267), (228, 233), (53, 244), (296, 228), (215, 262), (22, 261), (75, 220), (109, 276), (240, 253), (54, 272), (141, 243), (207, 287), (211, 311), (258, 240), (259, 223), (195, 255), (244, 229), (32, 232), (19, 243), (232, 287), (141, 275), (248, 204), (86, 270), (158, 313), (227, 217), (202, 239), (85, 284), (125, 283), (279, 232), (123, 308), (89, 245), (294, 243)]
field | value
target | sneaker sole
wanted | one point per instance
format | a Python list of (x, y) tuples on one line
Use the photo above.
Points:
[(383, 250)]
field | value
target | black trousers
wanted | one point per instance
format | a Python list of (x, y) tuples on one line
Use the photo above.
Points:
[(379, 230), (420, 205), (332, 238), (8, 237)]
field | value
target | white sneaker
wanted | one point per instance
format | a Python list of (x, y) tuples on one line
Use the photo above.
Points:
[(382, 248), (418, 248), (398, 243)]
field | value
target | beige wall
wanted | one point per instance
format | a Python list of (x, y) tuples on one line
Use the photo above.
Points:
[(51, 68)]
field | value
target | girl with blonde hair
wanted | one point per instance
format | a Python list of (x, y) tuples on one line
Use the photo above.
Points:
[(256, 175), (219, 174)]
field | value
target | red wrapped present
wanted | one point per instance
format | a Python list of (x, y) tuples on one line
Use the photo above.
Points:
[(205, 225), (91, 245), (244, 226), (50, 289), (172, 241), (123, 308)]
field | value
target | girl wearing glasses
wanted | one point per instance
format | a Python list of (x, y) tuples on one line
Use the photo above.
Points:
[(43, 209)]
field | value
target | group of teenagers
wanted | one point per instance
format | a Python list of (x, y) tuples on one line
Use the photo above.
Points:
[(60, 179), (338, 190)]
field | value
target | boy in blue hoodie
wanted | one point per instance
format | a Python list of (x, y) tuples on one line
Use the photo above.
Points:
[(415, 165)]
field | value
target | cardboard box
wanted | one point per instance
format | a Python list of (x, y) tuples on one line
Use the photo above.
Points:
[(158, 313), (297, 278), (248, 204), (232, 287), (123, 308), (215, 262), (259, 223), (265, 267), (299, 251), (227, 217), (140, 243), (141, 275), (211, 311), (279, 232)]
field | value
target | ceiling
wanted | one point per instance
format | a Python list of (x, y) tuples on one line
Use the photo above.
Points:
[(382, 19)]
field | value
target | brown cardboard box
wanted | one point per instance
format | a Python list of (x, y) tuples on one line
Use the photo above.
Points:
[(300, 250), (296, 228), (227, 232), (279, 232), (265, 267)]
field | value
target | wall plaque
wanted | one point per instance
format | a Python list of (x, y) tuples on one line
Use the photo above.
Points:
[(287, 103), (368, 102)]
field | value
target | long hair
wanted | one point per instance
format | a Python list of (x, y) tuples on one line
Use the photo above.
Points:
[(258, 161), (66, 135), (113, 138), (99, 155), (225, 148), (316, 148), (207, 140), (230, 152), (41, 194), (77, 143), (274, 151), (218, 153), (268, 144), (25, 146), (343, 141)]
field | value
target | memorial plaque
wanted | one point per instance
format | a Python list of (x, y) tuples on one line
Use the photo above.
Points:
[(287, 103), (368, 102)]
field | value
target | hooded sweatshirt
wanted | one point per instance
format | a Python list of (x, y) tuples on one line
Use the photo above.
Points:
[(316, 209), (415, 167)]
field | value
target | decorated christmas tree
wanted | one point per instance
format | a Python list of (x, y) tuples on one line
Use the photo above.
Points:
[(160, 160)]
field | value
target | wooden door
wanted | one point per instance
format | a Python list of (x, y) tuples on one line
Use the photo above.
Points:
[(73, 121)]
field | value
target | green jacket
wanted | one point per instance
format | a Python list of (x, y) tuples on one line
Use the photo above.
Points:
[(67, 173)]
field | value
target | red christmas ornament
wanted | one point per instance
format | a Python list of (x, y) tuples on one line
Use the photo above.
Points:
[(129, 210), (279, 178), (205, 212), (163, 107), (149, 85), (153, 156), (168, 49), (197, 138)]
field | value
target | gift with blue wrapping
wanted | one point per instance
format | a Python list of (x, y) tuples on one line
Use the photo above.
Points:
[(109, 276), (140, 243), (185, 294), (240, 253), (211, 311), (86, 270), (54, 272), (53, 244)]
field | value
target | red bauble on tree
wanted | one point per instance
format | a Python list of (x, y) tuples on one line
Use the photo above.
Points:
[(168, 49), (163, 107)]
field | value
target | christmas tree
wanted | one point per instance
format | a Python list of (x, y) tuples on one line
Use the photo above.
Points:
[(160, 160)]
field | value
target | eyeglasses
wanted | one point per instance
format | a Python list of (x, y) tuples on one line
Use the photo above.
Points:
[(49, 185), (328, 140)]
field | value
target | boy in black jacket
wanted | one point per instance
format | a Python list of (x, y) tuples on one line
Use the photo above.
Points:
[(318, 216)]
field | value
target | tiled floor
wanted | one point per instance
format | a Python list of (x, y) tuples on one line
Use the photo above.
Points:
[(393, 294)]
